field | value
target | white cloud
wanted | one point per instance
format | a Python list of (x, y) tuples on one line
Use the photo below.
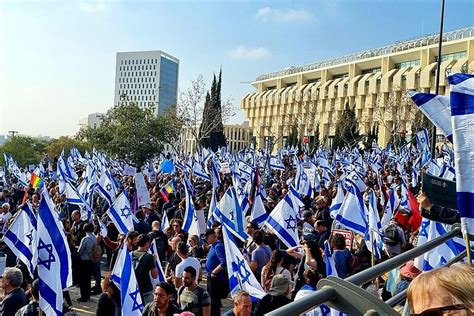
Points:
[(288, 15), (243, 52), (92, 6)]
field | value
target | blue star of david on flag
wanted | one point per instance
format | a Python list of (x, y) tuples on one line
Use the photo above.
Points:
[(126, 212), (289, 222), (240, 268), (108, 187), (49, 249), (231, 215), (136, 305), (424, 228)]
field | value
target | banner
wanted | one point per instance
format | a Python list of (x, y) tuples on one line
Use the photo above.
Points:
[(129, 170), (142, 190)]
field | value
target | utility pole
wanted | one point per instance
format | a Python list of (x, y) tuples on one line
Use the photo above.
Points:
[(438, 68), (13, 133)]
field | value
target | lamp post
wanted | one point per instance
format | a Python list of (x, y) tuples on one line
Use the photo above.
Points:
[(438, 69)]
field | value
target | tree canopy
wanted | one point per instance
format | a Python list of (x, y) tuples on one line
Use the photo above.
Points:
[(133, 133), (24, 149)]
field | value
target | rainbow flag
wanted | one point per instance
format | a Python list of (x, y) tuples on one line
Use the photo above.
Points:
[(36, 182), (167, 189)]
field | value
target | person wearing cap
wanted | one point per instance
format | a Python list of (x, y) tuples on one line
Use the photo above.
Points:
[(407, 273), (277, 295)]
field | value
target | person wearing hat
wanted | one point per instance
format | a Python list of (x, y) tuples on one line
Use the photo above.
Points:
[(407, 273), (276, 297)]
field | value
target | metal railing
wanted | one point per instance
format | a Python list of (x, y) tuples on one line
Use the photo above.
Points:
[(347, 296)]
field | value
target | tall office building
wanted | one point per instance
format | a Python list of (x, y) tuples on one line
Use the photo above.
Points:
[(147, 77)]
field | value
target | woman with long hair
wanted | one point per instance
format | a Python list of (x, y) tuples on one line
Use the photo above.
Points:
[(274, 267)]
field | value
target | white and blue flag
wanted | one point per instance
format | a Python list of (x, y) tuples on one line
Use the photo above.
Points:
[(54, 258), (161, 275), (120, 212), (436, 108), (124, 276), (462, 119), (21, 237), (229, 212), (353, 212), (240, 275), (283, 220)]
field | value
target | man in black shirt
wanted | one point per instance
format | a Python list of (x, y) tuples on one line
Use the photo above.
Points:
[(144, 264)]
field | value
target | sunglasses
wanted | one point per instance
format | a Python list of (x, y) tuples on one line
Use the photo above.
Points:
[(440, 311)]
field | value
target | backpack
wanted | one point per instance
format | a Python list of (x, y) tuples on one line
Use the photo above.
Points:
[(96, 253), (391, 237)]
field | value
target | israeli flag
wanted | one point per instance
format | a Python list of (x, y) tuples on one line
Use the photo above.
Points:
[(259, 214), (330, 271), (216, 180), (241, 276), (120, 213), (212, 209), (436, 108), (302, 183), (391, 208), (13, 168), (191, 220), (124, 276), (229, 212), (106, 186), (103, 229), (165, 223), (74, 197), (337, 201), (438, 256), (161, 275), (276, 164), (54, 258), (21, 237), (65, 169), (356, 181), (462, 119), (198, 171), (283, 220), (424, 145), (372, 237), (353, 212)]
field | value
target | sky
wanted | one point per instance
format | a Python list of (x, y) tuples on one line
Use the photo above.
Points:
[(57, 58)]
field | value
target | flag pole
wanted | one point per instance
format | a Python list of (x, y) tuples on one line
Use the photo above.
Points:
[(468, 248), (438, 69), (377, 285)]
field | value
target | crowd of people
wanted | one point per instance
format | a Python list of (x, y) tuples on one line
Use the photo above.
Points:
[(195, 269)]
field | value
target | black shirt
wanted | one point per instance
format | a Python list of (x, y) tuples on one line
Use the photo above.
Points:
[(269, 303), (144, 263), (12, 302), (106, 306)]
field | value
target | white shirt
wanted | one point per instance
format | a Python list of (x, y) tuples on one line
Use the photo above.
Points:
[(188, 262), (4, 218)]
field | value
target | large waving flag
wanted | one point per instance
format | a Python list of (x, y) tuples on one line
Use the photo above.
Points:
[(74, 197), (13, 168), (391, 208), (356, 181), (54, 258), (353, 212), (462, 119), (120, 213), (283, 220), (124, 276), (240, 275), (436, 108), (21, 237), (230, 213)]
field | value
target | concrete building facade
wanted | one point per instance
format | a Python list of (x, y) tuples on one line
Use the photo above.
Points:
[(238, 136), (92, 120), (147, 78), (314, 96)]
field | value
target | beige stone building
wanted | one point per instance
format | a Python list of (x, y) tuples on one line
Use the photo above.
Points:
[(373, 82), (238, 136)]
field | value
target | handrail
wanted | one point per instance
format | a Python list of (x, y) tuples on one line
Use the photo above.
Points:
[(397, 299), (327, 293)]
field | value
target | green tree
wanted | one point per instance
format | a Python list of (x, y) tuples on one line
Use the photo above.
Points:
[(346, 129), (133, 133), (55, 146), (24, 150)]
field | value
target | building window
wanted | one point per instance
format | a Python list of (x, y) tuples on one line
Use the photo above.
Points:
[(406, 64), (453, 56), (371, 71), (340, 76)]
